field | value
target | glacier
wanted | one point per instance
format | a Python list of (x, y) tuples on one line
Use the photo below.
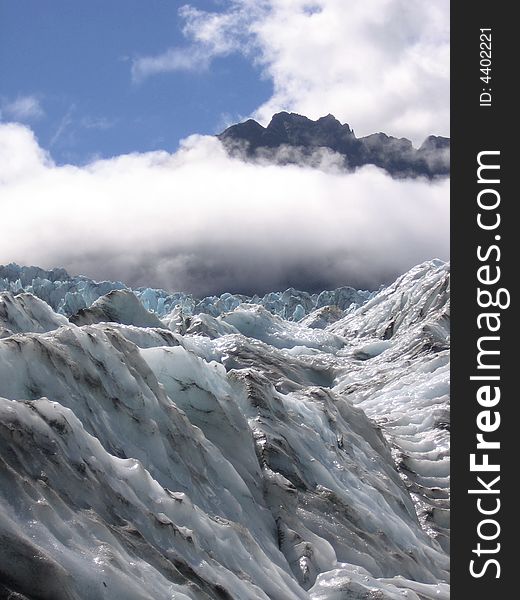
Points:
[(159, 446), (68, 294)]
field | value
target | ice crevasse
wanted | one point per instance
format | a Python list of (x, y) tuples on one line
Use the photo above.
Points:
[(225, 452)]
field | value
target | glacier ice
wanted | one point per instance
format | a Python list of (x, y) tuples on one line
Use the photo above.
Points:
[(24, 313), (119, 306), (156, 446), (67, 295)]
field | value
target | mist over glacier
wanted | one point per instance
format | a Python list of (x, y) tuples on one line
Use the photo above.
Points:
[(200, 221), (286, 447)]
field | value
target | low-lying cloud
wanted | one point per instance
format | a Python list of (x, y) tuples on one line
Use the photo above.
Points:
[(200, 221)]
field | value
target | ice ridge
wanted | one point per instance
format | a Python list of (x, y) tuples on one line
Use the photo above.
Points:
[(233, 454)]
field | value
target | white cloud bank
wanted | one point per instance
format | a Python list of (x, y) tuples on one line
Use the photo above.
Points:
[(200, 221), (380, 65)]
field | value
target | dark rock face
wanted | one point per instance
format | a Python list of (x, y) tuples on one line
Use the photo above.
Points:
[(293, 139)]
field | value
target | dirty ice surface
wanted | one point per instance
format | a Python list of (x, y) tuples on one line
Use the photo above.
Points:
[(154, 446)]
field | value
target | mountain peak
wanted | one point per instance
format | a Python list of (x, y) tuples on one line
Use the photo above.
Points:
[(287, 117), (250, 140), (330, 120)]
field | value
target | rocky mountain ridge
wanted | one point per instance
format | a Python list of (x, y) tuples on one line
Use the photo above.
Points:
[(294, 139)]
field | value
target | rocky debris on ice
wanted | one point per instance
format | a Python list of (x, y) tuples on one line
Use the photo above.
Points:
[(323, 317), (419, 297), (402, 335), (238, 455)]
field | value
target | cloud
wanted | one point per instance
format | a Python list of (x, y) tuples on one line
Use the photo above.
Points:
[(211, 35), (22, 108), (200, 221), (97, 123), (63, 126), (174, 59), (381, 65)]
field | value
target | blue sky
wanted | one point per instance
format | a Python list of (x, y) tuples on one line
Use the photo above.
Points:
[(74, 58), (101, 78), (102, 84)]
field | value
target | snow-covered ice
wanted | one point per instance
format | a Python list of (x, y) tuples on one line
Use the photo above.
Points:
[(156, 446)]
